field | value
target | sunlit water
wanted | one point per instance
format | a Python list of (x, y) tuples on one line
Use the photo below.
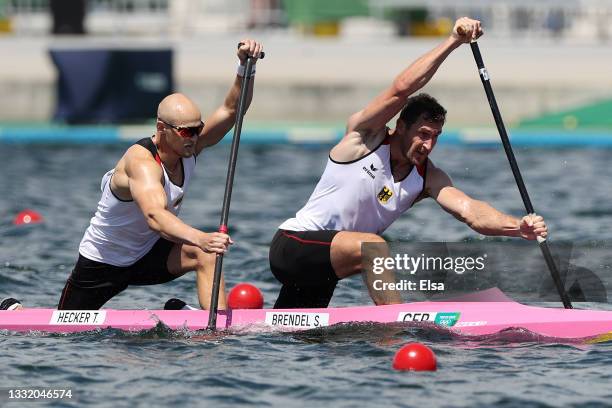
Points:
[(345, 366)]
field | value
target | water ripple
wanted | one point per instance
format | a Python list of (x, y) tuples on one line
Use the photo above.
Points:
[(343, 366)]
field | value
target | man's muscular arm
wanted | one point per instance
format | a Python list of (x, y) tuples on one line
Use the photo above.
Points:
[(144, 179), (368, 122), (479, 215)]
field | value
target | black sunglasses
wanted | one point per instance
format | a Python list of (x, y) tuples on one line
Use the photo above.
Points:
[(185, 131)]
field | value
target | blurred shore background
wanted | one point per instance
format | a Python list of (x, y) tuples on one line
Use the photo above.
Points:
[(91, 62)]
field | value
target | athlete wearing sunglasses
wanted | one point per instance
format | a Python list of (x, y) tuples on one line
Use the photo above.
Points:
[(185, 131), (136, 237)]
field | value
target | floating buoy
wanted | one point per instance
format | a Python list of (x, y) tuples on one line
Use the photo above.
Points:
[(27, 217), (245, 296), (415, 357)]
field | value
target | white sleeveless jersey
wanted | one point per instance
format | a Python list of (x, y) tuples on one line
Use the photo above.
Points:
[(118, 233), (360, 196)]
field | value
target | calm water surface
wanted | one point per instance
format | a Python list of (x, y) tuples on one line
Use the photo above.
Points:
[(343, 366)]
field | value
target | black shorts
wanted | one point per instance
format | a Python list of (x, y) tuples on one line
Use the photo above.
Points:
[(301, 261), (91, 284)]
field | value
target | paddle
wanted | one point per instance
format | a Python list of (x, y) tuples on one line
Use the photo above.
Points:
[(484, 76), (229, 182)]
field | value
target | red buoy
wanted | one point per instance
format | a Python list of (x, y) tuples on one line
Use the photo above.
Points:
[(415, 357), (27, 217), (245, 296)]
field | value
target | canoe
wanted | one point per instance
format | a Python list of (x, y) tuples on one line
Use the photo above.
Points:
[(481, 313)]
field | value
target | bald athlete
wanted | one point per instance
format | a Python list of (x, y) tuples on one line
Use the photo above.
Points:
[(135, 237)]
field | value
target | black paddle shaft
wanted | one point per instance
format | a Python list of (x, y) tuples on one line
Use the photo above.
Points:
[(229, 182), (484, 77)]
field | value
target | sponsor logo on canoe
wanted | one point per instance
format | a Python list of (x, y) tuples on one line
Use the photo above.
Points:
[(296, 319), (78, 317), (385, 194), (448, 319), (471, 324)]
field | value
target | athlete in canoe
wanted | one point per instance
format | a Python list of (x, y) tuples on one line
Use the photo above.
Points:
[(373, 175), (135, 236)]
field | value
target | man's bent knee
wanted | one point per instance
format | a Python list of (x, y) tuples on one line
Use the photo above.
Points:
[(347, 251), (193, 258), (369, 239), (202, 259), (357, 247)]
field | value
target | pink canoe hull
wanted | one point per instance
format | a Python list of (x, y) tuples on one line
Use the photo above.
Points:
[(464, 317)]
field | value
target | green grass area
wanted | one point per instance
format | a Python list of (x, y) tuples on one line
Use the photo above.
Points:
[(594, 115)]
